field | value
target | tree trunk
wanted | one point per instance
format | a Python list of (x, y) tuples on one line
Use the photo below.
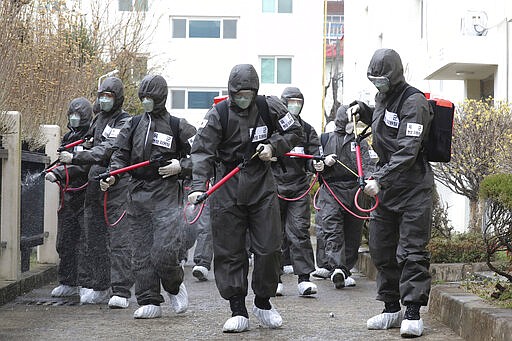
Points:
[(475, 215)]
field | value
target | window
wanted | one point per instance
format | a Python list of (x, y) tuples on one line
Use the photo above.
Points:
[(194, 99), (133, 5), (201, 99), (204, 28), (335, 26), (276, 70), (178, 99), (279, 6), (179, 28), (229, 29)]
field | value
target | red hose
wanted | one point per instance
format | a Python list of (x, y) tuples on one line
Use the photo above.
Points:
[(105, 213), (341, 204), (198, 213), (364, 209), (315, 178)]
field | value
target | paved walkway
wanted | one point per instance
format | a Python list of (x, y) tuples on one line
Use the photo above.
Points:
[(36, 316)]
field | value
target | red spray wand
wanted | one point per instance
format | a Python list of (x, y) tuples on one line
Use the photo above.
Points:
[(70, 145), (61, 149), (360, 173), (306, 156), (222, 181), (106, 174)]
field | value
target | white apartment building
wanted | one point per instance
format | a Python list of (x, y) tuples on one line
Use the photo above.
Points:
[(452, 49), (195, 43)]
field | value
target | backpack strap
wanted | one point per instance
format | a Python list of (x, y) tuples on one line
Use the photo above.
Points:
[(175, 128), (410, 90), (261, 103), (222, 109), (307, 130)]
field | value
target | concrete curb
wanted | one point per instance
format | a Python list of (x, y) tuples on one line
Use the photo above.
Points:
[(39, 276), (466, 314)]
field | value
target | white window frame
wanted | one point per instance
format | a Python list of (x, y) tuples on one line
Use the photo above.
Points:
[(187, 26)]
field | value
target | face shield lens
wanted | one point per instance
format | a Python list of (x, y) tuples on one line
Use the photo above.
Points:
[(148, 104), (294, 106), (381, 83), (243, 98), (74, 120), (106, 100)]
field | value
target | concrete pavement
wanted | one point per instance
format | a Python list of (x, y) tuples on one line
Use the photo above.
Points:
[(36, 316)]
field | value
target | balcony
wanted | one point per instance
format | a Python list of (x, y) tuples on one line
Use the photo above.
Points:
[(467, 57)]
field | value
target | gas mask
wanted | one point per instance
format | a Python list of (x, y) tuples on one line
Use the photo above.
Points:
[(148, 104), (294, 106), (381, 83), (243, 98), (349, 128), (106, 101), (74, 120)]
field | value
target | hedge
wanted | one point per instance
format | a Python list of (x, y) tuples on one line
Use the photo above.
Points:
[(497, 187)]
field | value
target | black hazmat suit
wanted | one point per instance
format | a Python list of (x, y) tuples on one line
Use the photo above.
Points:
[(293, 176), (73, 182), (401, 224), (247, 203), (321, 258), (199, 233), (154, 208), (341, 230), (107, 249)]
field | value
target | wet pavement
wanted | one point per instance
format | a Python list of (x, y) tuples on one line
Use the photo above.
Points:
[(330, 315)]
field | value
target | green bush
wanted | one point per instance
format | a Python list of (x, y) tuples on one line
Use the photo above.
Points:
[(497, 187), (461, 248)]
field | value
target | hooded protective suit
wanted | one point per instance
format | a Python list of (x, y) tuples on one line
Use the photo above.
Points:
[(247, 203), (153, 212), (341, 230), (106, 248), (293, 176), (401, 224), (72, 179)]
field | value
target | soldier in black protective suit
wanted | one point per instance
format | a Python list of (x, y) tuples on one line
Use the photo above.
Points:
[(342, 231), (247, 203), (107, 252), (401, 224), (293, 176), (72, 181), (154, 211)]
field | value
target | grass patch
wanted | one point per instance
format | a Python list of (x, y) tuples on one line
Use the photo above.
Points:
[(492, 290)]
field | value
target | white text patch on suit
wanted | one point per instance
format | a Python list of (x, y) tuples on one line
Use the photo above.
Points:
[(287, 121), (414, 129), (162, 140), (260, 134), (391, 119)]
